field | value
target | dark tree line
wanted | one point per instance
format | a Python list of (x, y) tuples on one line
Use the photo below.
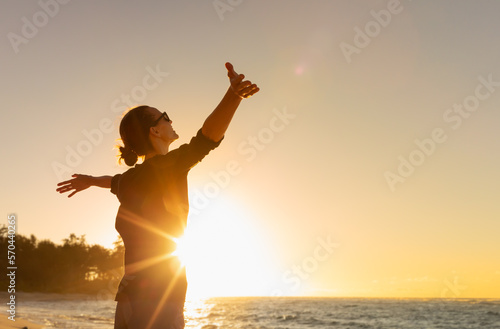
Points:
[(71, 267)]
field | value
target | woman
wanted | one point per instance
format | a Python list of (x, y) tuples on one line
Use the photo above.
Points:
[(154, 206)]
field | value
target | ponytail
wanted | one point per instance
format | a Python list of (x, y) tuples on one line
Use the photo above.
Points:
[(128, 155)]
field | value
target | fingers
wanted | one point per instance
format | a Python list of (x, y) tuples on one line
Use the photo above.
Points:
[(67, 186), (242, 85), (65, 182), (237, 79), (65, 189), (71, 185), (69, 180), (243, 89), (246, 89), (250, 91), (62, 188), (230, 70), (234, 77)]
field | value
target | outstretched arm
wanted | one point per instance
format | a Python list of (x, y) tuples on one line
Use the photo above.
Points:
[(82, 182), (216, 124)]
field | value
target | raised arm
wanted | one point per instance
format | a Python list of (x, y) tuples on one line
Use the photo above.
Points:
[(82, 182), (216, 124)]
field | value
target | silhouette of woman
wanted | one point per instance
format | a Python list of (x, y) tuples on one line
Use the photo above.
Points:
[(154, 206)]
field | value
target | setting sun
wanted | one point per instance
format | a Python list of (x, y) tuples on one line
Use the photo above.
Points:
[(223, 253)]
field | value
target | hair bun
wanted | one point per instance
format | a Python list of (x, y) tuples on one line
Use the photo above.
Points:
[(128, 155)]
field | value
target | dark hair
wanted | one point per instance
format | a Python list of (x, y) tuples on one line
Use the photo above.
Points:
[(134, 132)]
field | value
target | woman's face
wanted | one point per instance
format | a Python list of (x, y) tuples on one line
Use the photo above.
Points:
[(164, 127)]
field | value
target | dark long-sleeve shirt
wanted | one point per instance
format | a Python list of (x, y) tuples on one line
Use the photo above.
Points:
[(153, 209)]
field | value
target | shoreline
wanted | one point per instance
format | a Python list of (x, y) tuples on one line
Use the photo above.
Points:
[(44, 296), (20, 321)]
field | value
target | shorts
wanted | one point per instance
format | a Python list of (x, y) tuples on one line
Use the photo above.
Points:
[(139, 314)]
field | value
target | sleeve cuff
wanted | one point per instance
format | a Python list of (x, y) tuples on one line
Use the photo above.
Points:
[(114, 183), (208, 142)]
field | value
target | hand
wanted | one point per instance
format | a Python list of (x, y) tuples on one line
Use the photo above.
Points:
[(78, 183), (243, 89)]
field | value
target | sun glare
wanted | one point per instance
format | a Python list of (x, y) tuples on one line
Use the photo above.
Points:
[(224, 253), (183, 251), (107, 239)]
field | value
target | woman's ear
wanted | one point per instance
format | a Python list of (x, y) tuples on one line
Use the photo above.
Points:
[(154, 131)]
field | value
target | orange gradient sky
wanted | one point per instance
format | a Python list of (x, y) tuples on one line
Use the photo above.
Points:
[(367, 165)]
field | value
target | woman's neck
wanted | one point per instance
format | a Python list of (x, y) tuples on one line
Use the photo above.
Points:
[(163, 151)]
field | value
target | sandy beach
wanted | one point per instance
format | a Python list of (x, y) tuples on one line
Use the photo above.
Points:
[(20, 322)]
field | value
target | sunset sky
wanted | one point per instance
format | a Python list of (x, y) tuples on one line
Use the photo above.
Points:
[(367, 165)]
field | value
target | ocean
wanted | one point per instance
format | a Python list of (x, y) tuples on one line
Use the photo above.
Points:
[(286, 313)]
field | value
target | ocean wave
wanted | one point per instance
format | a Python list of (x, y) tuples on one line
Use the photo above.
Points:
[(493, 313), (356, 324), (489, 302), (312, 321), (289, 313), (287, 317)]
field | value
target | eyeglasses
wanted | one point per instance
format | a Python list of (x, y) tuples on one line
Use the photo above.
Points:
[(164, 115)]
